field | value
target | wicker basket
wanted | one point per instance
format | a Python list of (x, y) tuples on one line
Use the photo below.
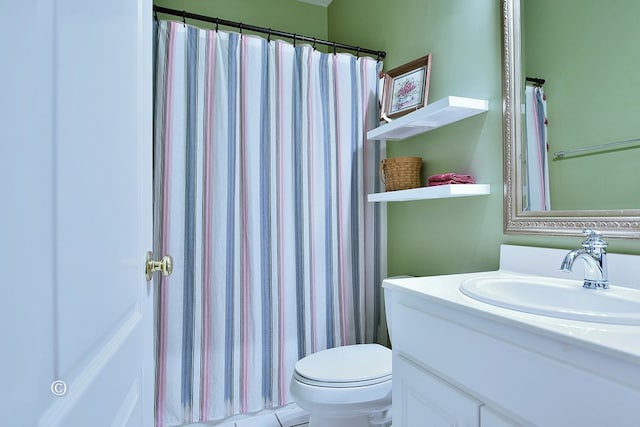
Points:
[(400, 173)]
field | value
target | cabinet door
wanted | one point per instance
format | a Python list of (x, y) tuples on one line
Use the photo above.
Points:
[(422, 399)]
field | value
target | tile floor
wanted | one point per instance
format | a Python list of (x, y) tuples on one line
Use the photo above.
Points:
[(288, 416)]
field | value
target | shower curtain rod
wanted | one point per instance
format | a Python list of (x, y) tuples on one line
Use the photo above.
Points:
[(537, 81), (296, 37)]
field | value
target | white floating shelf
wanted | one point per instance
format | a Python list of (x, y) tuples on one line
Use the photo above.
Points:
[(432, 116), (435, 192)]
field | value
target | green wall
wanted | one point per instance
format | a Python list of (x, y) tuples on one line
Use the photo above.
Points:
[(591, 65), (449, 235), (436, 236), (285, 15)]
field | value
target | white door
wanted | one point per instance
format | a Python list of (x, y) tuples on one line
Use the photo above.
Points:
[(76, 321)]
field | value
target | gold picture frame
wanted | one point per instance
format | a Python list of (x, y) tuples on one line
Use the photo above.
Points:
[(406, 88)]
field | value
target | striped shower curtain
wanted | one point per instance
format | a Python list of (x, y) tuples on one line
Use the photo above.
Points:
[(261, 175), (537, 194)]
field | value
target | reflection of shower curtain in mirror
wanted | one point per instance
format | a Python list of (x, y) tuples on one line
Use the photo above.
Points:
[(261, 173), (537, 193)]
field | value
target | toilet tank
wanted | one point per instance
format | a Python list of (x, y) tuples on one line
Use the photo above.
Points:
[(387, 304)]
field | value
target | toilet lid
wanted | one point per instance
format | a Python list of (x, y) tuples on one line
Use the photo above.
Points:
[(347, 364)]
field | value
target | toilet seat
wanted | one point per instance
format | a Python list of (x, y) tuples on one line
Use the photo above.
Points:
[(348, 366)]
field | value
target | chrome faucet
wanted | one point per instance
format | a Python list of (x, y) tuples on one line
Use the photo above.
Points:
[(594, 255)]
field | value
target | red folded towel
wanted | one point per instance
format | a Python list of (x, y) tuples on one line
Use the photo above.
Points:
[(450, 178)]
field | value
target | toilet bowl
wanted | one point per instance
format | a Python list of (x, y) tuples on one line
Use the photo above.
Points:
[(347, 386)]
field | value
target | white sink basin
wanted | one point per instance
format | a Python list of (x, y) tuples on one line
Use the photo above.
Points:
[(565, 299)]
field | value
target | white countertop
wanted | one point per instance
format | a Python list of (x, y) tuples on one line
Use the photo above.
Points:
[(619, 341)]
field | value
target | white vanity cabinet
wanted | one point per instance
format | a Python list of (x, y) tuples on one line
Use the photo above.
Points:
[(426, 400), (460, 362), (424, 395)]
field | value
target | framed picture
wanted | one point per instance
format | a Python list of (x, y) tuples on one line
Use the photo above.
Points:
[(406, 88)]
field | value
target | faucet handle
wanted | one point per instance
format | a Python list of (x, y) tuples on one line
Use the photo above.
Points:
[(593, 240)]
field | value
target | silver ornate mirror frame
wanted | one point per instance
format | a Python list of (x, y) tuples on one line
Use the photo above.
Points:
[(613, 223)]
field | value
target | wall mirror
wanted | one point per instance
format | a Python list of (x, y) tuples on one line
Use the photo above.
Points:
[(590, 117)]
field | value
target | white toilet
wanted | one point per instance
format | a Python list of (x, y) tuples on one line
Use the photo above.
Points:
[(347, 386)]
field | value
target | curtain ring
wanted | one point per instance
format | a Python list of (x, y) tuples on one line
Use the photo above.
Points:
[(358, 53), (294, 40), (240, 26), (217, 24), (334, 48), (184, 20), (155, 15), (313, 46), (269, 36)]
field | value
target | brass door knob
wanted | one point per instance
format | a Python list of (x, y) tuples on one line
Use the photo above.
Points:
[(165, 265)]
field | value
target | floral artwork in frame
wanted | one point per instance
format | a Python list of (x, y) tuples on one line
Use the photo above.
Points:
[(406, 88)]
